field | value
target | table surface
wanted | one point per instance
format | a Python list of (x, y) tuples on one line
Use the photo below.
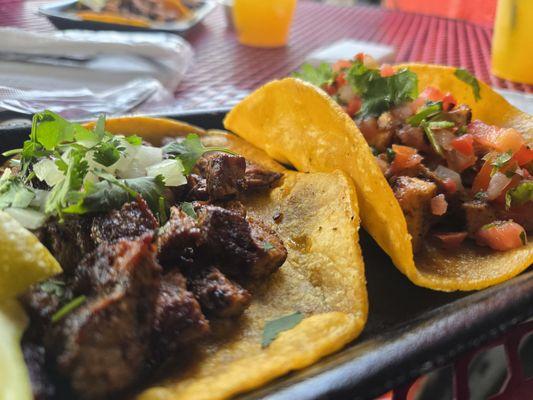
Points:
[(225, 71)]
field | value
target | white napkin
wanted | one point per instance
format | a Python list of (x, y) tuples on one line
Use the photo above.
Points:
[(85, 72)]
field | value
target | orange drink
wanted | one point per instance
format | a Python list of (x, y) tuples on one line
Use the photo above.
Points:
[(512, 43), (263, 23)]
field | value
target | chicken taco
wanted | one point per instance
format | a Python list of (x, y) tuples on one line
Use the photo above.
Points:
[(147, 257), (442, 164)]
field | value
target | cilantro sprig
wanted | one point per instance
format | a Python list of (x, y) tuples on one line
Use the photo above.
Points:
[(318, 76), (520, 195), (469, 79)]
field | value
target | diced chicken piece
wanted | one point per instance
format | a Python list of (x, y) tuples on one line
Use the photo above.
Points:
[(414, 196)]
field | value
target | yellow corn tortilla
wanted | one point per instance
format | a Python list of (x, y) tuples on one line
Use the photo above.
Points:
[(323, 278), (299, 124)]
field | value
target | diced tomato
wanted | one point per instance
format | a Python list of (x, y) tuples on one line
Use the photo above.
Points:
[(464, 144), (502, 235), (360, 57), (450, 240), (432, 94), (439, 205), (491, 137), (405, 158), (353, 106), (524, 155), (448, 102), (330, 89), (386, 70), (340, 65), (449, 185), (340, 80), (482, 179)]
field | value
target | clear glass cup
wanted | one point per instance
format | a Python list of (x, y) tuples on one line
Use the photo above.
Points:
[(512, 43), (263, 23)]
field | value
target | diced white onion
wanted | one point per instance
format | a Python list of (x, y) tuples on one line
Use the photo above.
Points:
[(172, 171), (144, 157), (446, 173), (39, 199), (346, 93), (46, 170), (497, 183), (27, 217), (6, 174)]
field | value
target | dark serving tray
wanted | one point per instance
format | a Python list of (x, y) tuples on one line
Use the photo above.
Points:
[(410, 331), (62, 15)]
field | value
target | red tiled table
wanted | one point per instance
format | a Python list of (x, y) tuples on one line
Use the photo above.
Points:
[(225, 71)]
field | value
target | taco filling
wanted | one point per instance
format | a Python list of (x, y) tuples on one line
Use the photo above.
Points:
[(455, 178), (154, 243)]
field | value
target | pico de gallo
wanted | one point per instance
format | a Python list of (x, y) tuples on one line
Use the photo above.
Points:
[(455, 178)]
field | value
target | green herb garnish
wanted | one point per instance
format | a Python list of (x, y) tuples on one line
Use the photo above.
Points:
[(68, 308), (429, 110), (519, 195), (267, 246), (189, 150), (318, 76), (440, 124), (431, 137), (469, 79), (163, 217), (188, 209), (274, 328), (391, 154), (501, 160), (53, 286)]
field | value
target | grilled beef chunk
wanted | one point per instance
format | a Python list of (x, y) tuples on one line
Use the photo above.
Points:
[(224, 175), (132, 220), (69, 240), (178, 317), (414, 196), (243, 247), (256, 177), (460, 115), (479, 213), (197, 188), (41, 382), (218, 295), (179, 239), (101, 346)]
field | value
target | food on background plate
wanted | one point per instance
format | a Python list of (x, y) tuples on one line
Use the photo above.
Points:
[(442, 164), (185, 254), (140, 13)]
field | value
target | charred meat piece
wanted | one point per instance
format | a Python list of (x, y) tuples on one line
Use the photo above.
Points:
[(223, 174), (69, 240), (218, 295), (179, 239), (197, 188), (460, 115), (132, 220), (256, 177), (244, 247), (479, 213), (101, 346), (41, 383), (414, 196), (178, 317)]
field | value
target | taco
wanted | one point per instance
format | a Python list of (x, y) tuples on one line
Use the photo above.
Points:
[(442, 164), (193, 265)]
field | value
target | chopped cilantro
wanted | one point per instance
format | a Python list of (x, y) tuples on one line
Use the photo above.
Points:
[(523, 237), (431, 137), (134, 140), (68, 308), (390, 154), (267, 246), (431, 109), (323, 74), (440, 124), (469, 79), (274, 328), (163, 217), (189, 150), (501, 160), (188, 209), (521, 194), (481, 195), (107, 153), (53, 286)]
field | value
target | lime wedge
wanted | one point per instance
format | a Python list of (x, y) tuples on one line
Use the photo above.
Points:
[(23, 259), (14, 379)]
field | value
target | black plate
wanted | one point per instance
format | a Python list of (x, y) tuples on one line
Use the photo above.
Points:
[(63, 16), (410, 331)]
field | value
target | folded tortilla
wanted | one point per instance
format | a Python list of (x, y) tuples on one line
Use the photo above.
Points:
[(323, 277), (299, 124)]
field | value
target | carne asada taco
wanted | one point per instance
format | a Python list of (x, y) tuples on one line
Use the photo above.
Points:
[(191, 261), (442, 164)]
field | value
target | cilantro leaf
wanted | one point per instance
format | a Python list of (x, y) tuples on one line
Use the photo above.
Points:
[(431, 137), (323, 74), (106, 153), (440, 124), (134, 140), (431, 109), (521, 194), (274, 328), (53, 286), (13, 193), (469, 79), (188, 209), (51, 130), (501, 160), (68, 308), (189, 150)]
